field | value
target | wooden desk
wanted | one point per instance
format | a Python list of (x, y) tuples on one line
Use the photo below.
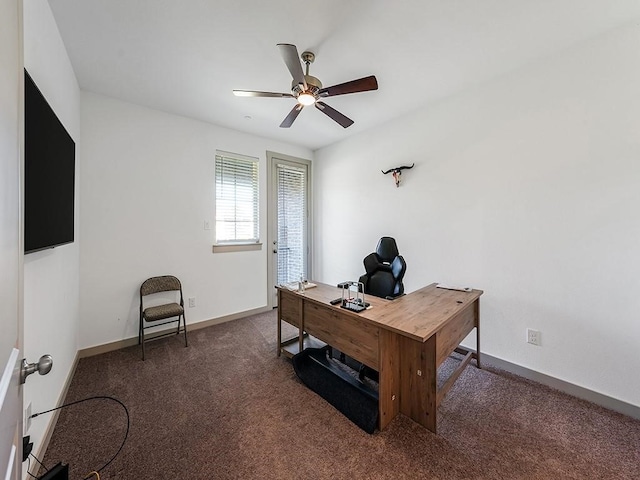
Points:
[(405, 340)]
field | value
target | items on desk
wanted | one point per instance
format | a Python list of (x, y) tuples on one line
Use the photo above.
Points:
[(450, 287), (352, 296), (298, 286), (354, 306)]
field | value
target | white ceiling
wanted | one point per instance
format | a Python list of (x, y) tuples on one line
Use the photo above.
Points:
[(186, 56)]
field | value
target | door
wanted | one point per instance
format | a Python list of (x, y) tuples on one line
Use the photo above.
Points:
[(289, 221), (11, 72)]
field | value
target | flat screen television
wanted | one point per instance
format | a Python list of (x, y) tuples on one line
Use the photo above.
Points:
[(49, 174)]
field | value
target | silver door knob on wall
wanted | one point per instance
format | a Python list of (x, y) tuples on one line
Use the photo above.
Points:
[(43, 367)]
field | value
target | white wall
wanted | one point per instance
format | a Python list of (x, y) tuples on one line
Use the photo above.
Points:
[(51, 290), (147, 189), (527, 187)]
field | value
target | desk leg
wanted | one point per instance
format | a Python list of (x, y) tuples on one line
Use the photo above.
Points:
[(301, 323), (477, 314), (301, 339), (418, 381), (279, 345), (389, 382)]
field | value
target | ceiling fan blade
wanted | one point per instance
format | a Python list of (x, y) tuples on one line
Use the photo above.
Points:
[(334, 114), (291, 58), (250, 93), (293, 114), (354, 86)]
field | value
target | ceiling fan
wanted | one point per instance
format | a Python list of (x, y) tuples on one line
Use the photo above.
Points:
[(308, 90)]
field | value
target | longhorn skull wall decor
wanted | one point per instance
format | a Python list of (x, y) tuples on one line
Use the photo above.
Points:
[(397, 171)]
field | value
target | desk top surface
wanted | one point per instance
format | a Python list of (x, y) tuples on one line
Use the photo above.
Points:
[(418, 314)]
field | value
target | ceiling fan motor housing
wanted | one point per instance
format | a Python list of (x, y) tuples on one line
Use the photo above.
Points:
[(313, 86)]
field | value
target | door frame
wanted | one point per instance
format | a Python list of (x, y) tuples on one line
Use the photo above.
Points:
[(11, 348), (272, 159)]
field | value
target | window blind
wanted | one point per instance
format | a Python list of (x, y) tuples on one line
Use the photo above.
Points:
[(236, 199), (291, 192)]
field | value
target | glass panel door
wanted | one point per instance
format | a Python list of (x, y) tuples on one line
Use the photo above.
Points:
[(289, 221)]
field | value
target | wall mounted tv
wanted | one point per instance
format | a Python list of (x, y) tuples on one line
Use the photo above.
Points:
[(49, 174)]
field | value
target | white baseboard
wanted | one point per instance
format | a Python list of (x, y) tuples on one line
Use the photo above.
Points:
[(129, 342)]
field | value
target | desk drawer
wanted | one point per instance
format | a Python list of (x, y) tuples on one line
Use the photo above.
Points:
[(347, 333)]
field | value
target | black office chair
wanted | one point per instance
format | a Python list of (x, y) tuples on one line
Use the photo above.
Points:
[(170, 312), (385, 269)]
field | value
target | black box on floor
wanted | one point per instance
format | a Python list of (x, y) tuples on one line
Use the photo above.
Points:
[(59, 472)]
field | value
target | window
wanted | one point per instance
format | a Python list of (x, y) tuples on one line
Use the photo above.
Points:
[(236, 199)]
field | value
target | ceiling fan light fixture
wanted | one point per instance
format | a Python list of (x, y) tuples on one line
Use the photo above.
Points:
[(306, 99)]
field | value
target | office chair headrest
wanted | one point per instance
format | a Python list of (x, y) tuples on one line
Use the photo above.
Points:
[(387, 249)]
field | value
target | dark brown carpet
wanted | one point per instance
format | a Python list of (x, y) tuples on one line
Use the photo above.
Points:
[(226, 407)]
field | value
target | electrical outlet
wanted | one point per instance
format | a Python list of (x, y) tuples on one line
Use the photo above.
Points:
[(27, 418), (192, 302), (534, 337), (207, 225)]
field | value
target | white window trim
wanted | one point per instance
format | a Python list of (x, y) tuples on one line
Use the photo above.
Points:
[(236, 247)]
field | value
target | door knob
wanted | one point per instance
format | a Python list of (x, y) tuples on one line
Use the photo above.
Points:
[(43, 367)]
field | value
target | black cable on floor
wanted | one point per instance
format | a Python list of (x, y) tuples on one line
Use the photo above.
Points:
[(98, 397), (29, 464), (29, 467)]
